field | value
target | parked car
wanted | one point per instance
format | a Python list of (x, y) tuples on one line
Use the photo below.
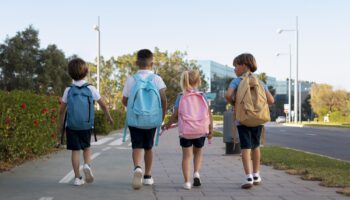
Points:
[(281, 119)]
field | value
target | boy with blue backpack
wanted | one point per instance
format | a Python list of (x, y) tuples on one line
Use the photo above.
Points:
[(145, 99), (78, 100)]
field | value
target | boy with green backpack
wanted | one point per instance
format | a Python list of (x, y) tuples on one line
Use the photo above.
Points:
[(78, 100), (145, 99)]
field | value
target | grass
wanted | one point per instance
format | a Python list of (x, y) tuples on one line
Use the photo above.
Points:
[(331, 172), (331, 125), (217, 134)]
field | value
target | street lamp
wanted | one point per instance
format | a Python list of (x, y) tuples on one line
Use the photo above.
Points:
[(97, 28), (279, 31), (289, 81)]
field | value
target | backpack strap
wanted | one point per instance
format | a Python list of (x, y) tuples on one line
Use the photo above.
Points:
[(150, 77), (157, 136), (125, 127)]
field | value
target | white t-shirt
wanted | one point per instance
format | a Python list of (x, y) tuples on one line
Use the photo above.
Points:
[(93, 90), (130, 82)]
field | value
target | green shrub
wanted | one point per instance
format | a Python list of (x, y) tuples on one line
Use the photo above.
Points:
[(101, 123), (218, 118), (28, 124)]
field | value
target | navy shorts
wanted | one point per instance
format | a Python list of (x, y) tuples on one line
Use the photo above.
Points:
[(249, 137), (142, 138), (197, 142), (78, 140)]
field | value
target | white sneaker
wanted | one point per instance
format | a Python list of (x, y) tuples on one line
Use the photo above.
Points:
[(89, 177), (148, 181), (196, 180), (187, 186), (256, 180), (137, 180), (248, 183), (79, 181)]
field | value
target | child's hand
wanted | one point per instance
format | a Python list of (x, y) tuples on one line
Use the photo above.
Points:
[(210, 135), (165, 127)]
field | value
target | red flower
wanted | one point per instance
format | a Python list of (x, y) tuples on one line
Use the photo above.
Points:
[(53, 135), (8, 120), (45, 110), (24, 106), (53, 110), (36, 122)]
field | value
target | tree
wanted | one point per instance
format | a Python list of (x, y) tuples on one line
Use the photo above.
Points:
[(262, 77), (19, 60)]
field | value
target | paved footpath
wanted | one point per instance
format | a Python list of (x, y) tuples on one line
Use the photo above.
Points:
[(50, 178)]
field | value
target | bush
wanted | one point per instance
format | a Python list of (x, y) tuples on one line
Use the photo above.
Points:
[(28, 124), (218, 118), (101, 123)]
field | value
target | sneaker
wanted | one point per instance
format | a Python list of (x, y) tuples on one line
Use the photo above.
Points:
[(148, 180), (137, 179), (256, 180), (89, 177), (187, 186), (248, 183), (196, 180), (79, 181)]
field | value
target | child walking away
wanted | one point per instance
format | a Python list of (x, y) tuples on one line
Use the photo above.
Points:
[(145, 99), (250, 98), (78, 101), (195, 123)]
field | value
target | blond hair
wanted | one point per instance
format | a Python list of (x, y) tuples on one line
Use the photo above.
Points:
[(190, 79)]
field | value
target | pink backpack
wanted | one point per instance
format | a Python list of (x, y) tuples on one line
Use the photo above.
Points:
[(193, 115)]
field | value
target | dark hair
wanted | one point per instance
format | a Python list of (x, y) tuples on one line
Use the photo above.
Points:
[(144, 58), (77, 69), (246, 59)]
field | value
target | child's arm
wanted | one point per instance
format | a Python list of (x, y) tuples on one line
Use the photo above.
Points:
[(125, 101), (173, 119), (270, 99), (164, 101), (229, 94), (210, 125), (105, 110)]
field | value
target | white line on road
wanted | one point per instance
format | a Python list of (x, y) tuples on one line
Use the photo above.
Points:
[(70, 175), (123, 148), (311, 134), (102, 141), (116, 142), (106, 148), (129, 144), (46, 198)]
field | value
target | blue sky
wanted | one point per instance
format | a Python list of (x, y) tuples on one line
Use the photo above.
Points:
[(217, 30)]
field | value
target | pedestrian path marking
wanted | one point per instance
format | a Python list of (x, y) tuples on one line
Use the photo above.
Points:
[(123, 148), (118, 142), (129, 144), (46, 198), (102, 141), (106, 148), (70, 175)]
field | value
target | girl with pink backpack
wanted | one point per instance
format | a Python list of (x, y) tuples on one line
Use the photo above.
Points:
[(194, 123)]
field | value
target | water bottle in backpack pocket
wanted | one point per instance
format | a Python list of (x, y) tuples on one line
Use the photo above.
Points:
[(80, 108)]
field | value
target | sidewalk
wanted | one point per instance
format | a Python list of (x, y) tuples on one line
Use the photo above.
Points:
[(222, 176), (50, 178)]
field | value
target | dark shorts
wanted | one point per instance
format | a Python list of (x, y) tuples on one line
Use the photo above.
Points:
[(78, 140), (198, 142), (249, 137), (142, 138)]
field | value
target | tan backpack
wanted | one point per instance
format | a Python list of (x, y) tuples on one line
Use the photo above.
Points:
[(251, 103)]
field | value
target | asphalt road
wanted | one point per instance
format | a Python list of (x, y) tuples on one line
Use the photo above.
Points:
[(332, 142)]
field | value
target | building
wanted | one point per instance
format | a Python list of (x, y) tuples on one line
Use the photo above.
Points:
[(218, 77)]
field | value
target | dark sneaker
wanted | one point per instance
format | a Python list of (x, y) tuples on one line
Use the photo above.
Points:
[(196, 180)]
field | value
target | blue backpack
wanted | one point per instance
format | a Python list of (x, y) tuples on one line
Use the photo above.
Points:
[(144, 109), (80, 111)]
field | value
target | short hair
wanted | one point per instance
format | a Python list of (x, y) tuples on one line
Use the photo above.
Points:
[(77, 69), (144, 58), (190, 79), (246, 59)]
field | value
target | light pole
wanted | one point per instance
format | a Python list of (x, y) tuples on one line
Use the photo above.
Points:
[(296, 68), (300, 86), (97, 28), (289, 82)]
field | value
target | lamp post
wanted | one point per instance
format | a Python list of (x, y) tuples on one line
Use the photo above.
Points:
[(97, 28), (289, 81), (296, 30)]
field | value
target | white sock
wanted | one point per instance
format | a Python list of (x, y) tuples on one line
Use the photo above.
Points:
[(256, 174), (249, 176)]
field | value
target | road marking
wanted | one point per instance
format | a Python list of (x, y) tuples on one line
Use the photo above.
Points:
[(311, 134), (116, 142), (46, 198), (123, 148), (129, 144), (106, 148), (70, 175), (102, 141)]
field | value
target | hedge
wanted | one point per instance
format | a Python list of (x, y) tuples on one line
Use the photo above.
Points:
[(28, 124), (101, 124)]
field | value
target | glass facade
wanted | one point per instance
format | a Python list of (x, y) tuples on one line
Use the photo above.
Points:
[(218, 77)]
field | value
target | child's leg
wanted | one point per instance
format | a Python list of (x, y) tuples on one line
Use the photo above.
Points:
[(197, 159), (246, 160), (87, 155), (256, 160), (186, 162), (137, 157), (148, 161), (76, 162)]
